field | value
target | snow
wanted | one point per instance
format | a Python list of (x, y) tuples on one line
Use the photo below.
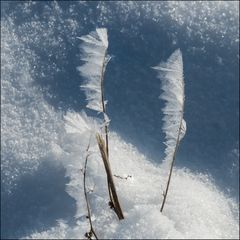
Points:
[(195, 208), (28, 123), (34, 56)]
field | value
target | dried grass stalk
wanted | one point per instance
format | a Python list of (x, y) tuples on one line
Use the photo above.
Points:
[(91, 232), (112, 190)]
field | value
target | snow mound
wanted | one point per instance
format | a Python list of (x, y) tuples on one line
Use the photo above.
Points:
[(195, 208)]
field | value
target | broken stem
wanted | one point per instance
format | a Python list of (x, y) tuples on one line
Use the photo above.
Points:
[(112, 189), (126, 178)]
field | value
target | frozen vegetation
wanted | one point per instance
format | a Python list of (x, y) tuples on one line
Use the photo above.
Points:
[(37, 146)]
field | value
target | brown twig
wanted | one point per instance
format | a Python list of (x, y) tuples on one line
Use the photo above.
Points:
[(105, 112), (126, 178), (115, 202), (91, 232), (102, 95), (104, 149)]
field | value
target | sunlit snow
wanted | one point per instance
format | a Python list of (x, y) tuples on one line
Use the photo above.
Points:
[(41, 176)]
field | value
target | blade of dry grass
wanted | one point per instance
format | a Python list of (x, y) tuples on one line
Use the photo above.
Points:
[(112, 190)]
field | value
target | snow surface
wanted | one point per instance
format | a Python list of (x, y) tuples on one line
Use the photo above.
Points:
[(195, 208), (37, 154), (28, 124)]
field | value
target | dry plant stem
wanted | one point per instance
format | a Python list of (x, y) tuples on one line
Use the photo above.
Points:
[(103, 105), (171, 169), (125, 178), (116, 204), (105, 153), (85, 194), (104, 111)]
